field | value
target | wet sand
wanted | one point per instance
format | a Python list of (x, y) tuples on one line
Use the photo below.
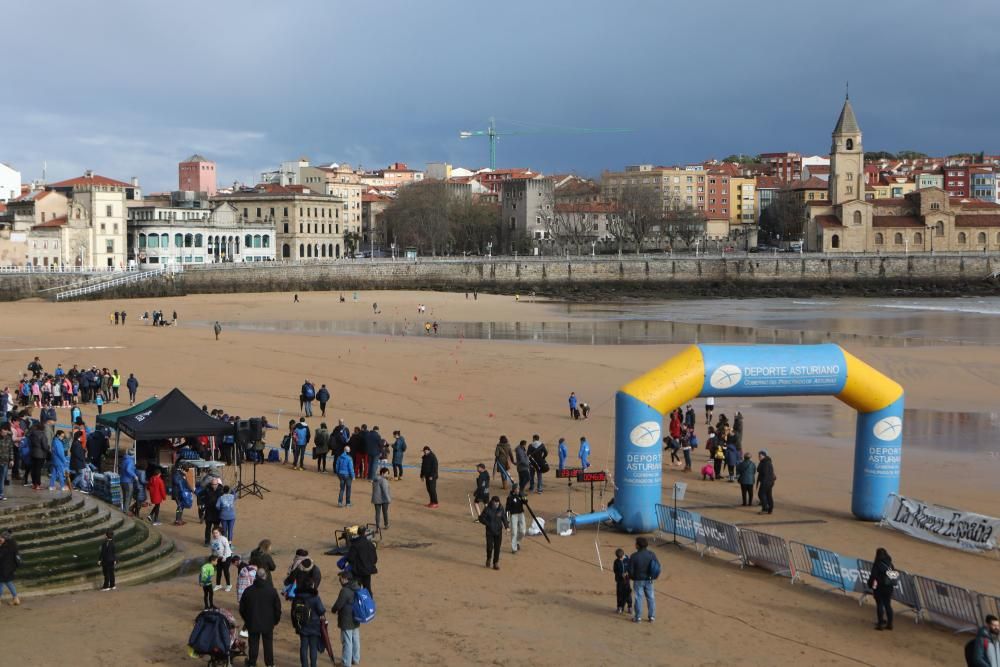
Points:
[(550, 604)]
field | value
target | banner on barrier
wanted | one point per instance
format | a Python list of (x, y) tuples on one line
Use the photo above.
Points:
[(721, 536), (942, 525)]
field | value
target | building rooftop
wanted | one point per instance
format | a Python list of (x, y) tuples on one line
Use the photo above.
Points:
[(52, 224), (196, 158), (992, 220), (90, 179), (847, 123)]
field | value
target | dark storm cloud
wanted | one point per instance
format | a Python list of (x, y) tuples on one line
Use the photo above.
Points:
[(128, 88)]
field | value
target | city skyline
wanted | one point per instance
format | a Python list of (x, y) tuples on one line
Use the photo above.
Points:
[(393, 82)]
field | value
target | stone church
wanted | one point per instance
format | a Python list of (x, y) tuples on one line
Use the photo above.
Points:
[(927, 220)]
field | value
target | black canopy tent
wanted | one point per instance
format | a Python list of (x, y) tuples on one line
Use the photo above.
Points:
[(173, 416)]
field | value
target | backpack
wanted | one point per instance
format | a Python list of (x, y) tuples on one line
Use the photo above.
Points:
[(286, 442), (272, 456), (654, 569), (301, 614), (309, 392), (363, 606), (971, 650), (210, 635)]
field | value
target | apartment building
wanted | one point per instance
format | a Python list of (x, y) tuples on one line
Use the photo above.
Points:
[(676, 187)]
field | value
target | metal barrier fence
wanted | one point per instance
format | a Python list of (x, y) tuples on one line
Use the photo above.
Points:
[(952, 603), (905, 593), (819, 563), (721, 536), (989, 605), (679, 522), (767, 551)]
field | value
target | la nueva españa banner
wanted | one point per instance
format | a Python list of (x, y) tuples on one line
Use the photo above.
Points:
[(942, 525)]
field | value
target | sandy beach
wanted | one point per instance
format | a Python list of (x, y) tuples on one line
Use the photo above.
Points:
[(549, 604)]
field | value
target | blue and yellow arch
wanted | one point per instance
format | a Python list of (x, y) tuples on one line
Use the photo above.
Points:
[(755, 370)]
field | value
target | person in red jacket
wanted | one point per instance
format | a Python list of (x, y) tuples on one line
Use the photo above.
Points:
[(157, 493)]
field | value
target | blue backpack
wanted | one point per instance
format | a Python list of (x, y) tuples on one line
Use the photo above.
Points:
[(272, 456), (654, 569), (363, 606)]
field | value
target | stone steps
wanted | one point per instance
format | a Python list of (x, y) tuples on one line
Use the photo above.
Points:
[(60, 538)]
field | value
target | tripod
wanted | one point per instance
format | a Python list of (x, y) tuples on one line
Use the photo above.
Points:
[(254, 488)]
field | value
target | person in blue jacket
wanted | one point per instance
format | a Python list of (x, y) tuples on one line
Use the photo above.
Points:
[(59, 464), (227, 512), (584, 453), (563, 453), (301, 436), (182, 493), (573, 403), (398, 450), (344, 469), (128, 478)]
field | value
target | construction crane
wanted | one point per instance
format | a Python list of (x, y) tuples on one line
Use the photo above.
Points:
[(494, 135)]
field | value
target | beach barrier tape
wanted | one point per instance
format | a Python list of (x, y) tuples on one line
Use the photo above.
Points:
[(821, 564), (905, 592), (766, 551), (954, 605)]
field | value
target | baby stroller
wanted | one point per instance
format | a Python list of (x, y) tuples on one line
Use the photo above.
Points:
[(215, 637)]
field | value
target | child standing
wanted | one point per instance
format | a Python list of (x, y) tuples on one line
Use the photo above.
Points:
[(157, 493), (108, 560), (207, 580), (623, 587), (227, 512), (99, 402)]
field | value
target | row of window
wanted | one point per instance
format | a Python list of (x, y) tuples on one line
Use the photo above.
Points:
[(197, 240), (313, 250), (918, 238)]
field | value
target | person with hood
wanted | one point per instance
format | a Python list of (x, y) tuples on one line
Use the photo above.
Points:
[(129, 478), (481, 496), (300, 439), (984, 649), (494, 518), (77, 456), (308, 615), (210, 496), (381, 496), (350, 629), (429, 473), (217, 328), (181, 493), (343, 467), (260, 609), (732, 458), (537, 453), (132, 384), (156, 491), (398, 450), (881, 582), (321, 446), (584, 453), (341, 436), (363, 558), (502, 458), (39, 452), (59, 464), (303, 572), (563, 452), (745, 472), (765, 482), (323, 396), (9, 558)]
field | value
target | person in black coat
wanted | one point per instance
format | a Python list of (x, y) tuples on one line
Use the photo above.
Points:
[(39, 451), (363, 558), (881, 584), (211, 495), (373, 447), (765, 482), (495, 519), (429, 473), (108, 560), (8, 564), (260, 608)]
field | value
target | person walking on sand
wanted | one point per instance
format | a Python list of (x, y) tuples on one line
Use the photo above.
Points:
[(260, 608), (223, 551), (584, 453), (746, 470), (381, 496), (709, 409), (481, 496), (321, 446), (882, 580), (343, 467), (132, 384), (518, 526), (494, 518), (765, 482), (350, 629), (217, 328), (573, 403), (642, 572), (429, 473), (9, 560), (323, 396), (537, 455), (523, 464), (502, 458)]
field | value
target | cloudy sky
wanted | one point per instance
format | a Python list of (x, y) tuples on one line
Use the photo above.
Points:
[(130, 87)]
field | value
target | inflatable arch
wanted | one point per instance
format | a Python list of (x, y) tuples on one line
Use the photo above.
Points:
[(752, 370)]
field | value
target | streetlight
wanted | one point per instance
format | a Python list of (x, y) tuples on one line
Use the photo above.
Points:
[(489, 249), (697, 242), (593, 248), (906, 246)]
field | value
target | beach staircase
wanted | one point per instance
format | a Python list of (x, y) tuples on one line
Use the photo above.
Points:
[(59, 538), (115, 281)]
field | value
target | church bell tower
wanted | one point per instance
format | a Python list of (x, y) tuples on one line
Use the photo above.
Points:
[(847, 159)]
